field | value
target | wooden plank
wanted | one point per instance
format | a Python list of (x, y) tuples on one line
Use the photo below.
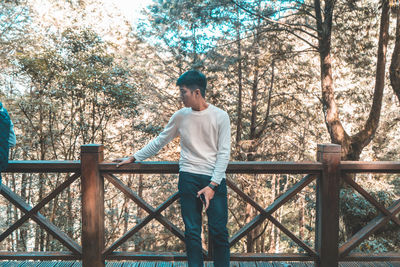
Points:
[(13, 263), (381, 257), (175, 256), (17, 201), (164, 264), (302, 264), (146, 256), (274, 257), (7, 264), (38, 255), (29, 264), (370, 167), (114, 264), (147, 264), (233, 167), (263, 264), (46, 264), (247, 264), (157, 167), (131, 264), (40, 205), (366, 231), (274, 167), (180, 264), (40, 166), (43, 166), (65, 263), (372, 200)]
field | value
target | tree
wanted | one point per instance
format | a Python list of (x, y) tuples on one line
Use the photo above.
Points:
[(77, 90), (395, 64), (351, 145)]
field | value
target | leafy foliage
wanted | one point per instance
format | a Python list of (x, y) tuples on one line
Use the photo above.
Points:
[(69, 80)]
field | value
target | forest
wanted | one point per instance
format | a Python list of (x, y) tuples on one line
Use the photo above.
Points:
[(290, 74)]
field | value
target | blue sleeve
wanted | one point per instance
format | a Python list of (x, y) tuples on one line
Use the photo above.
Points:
[(12, 140)]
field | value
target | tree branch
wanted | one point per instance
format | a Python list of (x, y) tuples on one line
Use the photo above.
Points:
[(268, 19)]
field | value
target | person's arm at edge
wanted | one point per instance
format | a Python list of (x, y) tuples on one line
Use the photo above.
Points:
[(12, 140), (152, 148)]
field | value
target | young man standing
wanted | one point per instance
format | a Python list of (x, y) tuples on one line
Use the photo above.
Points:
[(204, 132)]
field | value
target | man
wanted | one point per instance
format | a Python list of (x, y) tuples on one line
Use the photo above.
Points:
[(204, 132), (7, 138)]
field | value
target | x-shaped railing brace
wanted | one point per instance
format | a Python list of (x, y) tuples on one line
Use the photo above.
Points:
[(34, 214), (154, 213), (381, 220), (266, 213)]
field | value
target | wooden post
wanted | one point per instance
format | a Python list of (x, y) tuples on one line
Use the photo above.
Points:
[(327, 223), (92, 206)]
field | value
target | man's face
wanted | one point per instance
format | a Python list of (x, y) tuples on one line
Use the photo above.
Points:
[(188, 96)]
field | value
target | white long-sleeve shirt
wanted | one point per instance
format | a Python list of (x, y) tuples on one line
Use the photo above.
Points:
[(204, 137)]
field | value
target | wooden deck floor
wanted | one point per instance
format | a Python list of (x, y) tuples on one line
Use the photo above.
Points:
[(184, 264)]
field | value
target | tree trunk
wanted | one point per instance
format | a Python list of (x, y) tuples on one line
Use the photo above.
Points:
[(277, 214), (364, 137), (271, 241), (70, 219), (249, 215), (254, 96), (301, 217), (395, 64), (351, 146), (23, 232), (140, 245), (324, 26), (240, 85)]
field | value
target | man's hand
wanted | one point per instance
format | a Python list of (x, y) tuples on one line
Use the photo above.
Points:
[(123, 161), (208, 194)]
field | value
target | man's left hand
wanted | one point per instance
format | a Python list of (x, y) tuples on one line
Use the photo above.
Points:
[(208, 195)]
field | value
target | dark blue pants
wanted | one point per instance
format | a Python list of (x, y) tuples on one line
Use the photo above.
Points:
[(217, 212)]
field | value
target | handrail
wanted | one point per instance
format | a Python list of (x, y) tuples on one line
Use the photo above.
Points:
[(327, 171), (43, 166), (370, 167), (253, 167)]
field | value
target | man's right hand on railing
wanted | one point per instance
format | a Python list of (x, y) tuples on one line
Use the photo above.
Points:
[(123, 161)]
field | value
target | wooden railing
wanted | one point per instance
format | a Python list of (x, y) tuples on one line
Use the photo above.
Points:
[(327, 171)]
